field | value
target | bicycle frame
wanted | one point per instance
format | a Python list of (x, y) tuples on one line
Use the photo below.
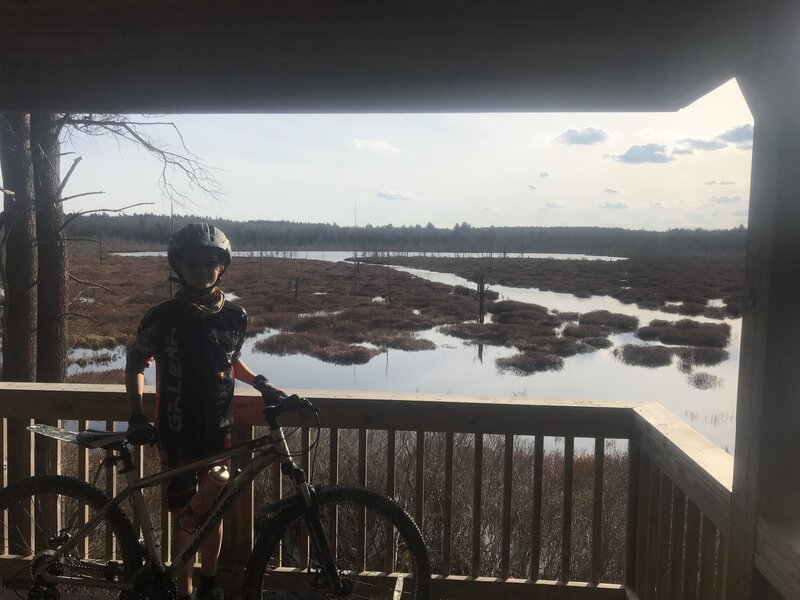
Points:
[(267, 449)]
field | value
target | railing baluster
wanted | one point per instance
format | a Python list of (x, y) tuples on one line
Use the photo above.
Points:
[(722, 579), (391, 461), (304, 462), (597, 509), (333, 456), (508, 473), (333, 479), (708, 559), (536, 517), (632, 514), (642, 519), (477, 492), (20, 465), (664, 514), (83, 475), (652, 532), (690, 559), (447, 534), (277, 491), (111, 490), (361, 531), (566, 523), (676, 543), (419, 503)]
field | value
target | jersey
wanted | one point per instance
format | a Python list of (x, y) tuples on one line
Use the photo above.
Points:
[(194, 355)]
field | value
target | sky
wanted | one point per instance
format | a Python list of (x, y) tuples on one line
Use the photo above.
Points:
[(655, 171)]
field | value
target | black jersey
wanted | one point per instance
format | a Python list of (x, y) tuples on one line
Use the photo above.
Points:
[(194, 354)]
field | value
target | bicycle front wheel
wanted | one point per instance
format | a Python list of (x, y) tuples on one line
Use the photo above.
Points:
[(378, 550), (42, 513)]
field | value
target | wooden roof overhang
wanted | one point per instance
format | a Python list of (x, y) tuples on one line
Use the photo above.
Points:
[(365, 56)]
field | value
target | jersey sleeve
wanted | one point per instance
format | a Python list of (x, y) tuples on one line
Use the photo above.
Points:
[(144, 346)]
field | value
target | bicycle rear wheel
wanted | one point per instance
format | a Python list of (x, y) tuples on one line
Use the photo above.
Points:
[(42, 513), (377, 547)]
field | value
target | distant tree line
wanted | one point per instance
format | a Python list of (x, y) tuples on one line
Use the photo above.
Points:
[(154, 230)]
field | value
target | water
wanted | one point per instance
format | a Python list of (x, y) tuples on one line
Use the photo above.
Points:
[(459, 367)]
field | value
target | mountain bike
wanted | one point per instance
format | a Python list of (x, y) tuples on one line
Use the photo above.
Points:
[(69, 540)]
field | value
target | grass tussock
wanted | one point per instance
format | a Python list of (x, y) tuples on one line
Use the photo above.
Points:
[(96, 358), (704, 381), (687, 333), (644, 356), (318, 346), (100, 377), (614, 322), (701, 356), (530, 362)]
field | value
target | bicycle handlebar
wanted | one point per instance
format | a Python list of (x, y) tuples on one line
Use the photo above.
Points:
[(288, 404)]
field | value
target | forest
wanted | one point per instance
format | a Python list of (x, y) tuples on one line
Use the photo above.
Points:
[(152, 231)]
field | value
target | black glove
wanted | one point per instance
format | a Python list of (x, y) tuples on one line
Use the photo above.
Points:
[(270, 394), (140, 431)]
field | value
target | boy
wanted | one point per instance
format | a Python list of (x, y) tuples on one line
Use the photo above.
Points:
[(196, 340)]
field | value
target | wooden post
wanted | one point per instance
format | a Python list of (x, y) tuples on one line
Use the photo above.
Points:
[(768, 407)]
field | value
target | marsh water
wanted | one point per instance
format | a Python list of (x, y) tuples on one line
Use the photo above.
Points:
[(459, 367)]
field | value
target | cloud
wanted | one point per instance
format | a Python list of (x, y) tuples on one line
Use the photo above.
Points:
[(544, 174), (740, 213), (683, 151), (490, 208), (725, 199), (698, 144), (611, 191), (531, 186), (390, 195), (722, 182), (646, 153), (375, 147), (656, 204), (583, 137), (614, 205), (554, 204), (741, 135)]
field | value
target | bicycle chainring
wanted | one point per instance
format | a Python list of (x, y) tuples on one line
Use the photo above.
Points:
[(149, 584)]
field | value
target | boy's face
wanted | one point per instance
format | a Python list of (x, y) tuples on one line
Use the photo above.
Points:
[(200, 267)]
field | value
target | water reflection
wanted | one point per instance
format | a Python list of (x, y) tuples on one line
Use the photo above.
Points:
[(461, 367)]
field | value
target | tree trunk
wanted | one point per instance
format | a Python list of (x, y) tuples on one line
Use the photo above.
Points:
[(51, 362), (19, 314)]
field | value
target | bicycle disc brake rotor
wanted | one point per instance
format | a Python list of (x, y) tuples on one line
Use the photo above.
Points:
[(149, 584)]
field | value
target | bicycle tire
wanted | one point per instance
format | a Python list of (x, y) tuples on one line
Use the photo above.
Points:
[(353, 505), (57, 505)]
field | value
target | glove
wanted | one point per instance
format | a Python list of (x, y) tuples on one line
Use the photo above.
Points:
[(270, 394), (140, 431)]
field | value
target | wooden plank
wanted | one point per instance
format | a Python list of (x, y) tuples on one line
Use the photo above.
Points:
[(490, 588), (505, 533), (238, 522), (362, 457), (692, 554), (700, 468), (664, 515), (631, 525), (708, 559), (722, 580), (343, 409), (19, 464), (648, 593), (778, 555), (447, 533), (676, 542), (536, 504), (642, 519), (566, 515), (333, 456), (389, 549), (597, 510), (419, 486), (477, 494)]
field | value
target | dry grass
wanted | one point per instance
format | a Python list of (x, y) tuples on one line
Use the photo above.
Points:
[(644, 356), (613, 322), (687, 333), (530, 362)]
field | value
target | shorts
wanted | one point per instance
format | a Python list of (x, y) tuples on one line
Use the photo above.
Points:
[(181, 488)]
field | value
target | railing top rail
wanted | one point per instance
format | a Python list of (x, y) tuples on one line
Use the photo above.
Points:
[(703, 470), (372, 410)]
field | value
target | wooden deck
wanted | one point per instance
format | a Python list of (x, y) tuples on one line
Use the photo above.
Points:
[(417, 447)]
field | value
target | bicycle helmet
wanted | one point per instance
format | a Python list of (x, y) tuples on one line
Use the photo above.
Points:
[(198, 235)]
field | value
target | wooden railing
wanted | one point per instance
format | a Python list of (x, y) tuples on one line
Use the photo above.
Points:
[(515, 497)]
